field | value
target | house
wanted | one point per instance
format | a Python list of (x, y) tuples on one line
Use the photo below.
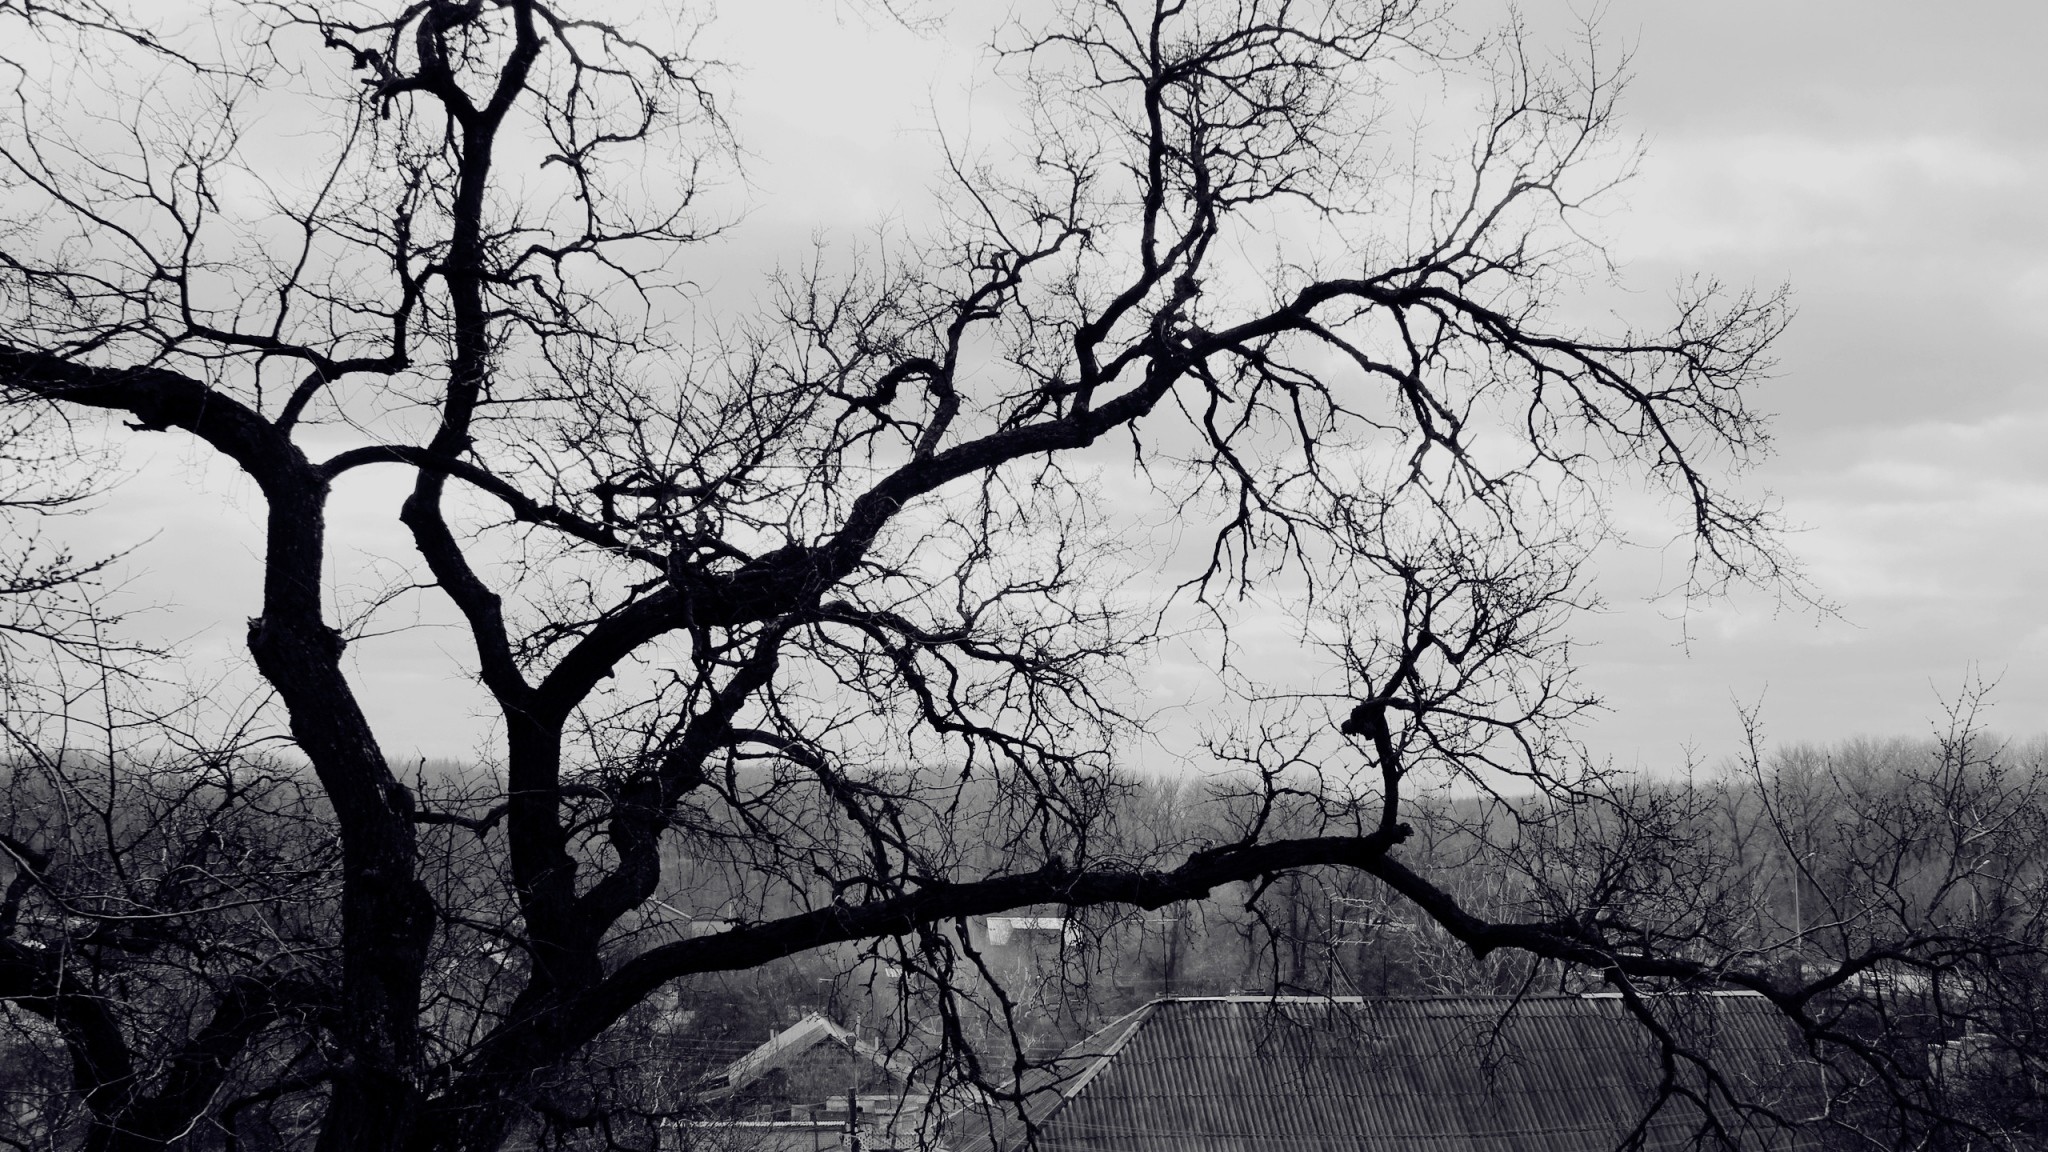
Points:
[(795, 1092), (1456, 1074), (810, 1066), (986, 932)]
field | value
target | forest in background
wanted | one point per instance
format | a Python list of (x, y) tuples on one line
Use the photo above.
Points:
[(1841, 861)]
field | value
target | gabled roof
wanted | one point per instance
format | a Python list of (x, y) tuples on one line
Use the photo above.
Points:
[(1474, 1074), (789, 1045)]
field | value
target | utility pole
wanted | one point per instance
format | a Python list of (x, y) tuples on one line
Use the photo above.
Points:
[(852, 1122)]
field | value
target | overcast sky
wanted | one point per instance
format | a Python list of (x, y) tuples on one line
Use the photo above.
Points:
[(1890, 160), (1886, 158)]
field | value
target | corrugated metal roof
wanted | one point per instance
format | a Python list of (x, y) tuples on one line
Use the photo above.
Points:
[(1471, 1074)]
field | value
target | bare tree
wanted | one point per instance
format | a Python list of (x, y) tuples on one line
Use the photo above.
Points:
[(829, 604), (1907, 892), (166, 930), (1887, 897)]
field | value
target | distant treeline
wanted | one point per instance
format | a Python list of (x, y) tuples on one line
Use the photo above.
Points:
[(1907, 879)]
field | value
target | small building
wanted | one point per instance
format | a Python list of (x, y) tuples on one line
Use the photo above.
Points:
[(813, 1065), (798, 1091), (1014, 931), (1454, 1074)]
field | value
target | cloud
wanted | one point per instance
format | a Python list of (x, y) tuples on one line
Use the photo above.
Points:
[(1927, 535), (1776, 196)]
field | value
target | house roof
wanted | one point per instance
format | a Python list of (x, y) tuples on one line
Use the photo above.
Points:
[(787, 1046), (1474, 1074)]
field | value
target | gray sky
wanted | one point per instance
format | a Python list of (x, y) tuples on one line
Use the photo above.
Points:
[(1889, 159), (1886, 158)]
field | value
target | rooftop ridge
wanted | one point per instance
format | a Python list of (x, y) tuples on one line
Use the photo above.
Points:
[(1116, 1045)]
